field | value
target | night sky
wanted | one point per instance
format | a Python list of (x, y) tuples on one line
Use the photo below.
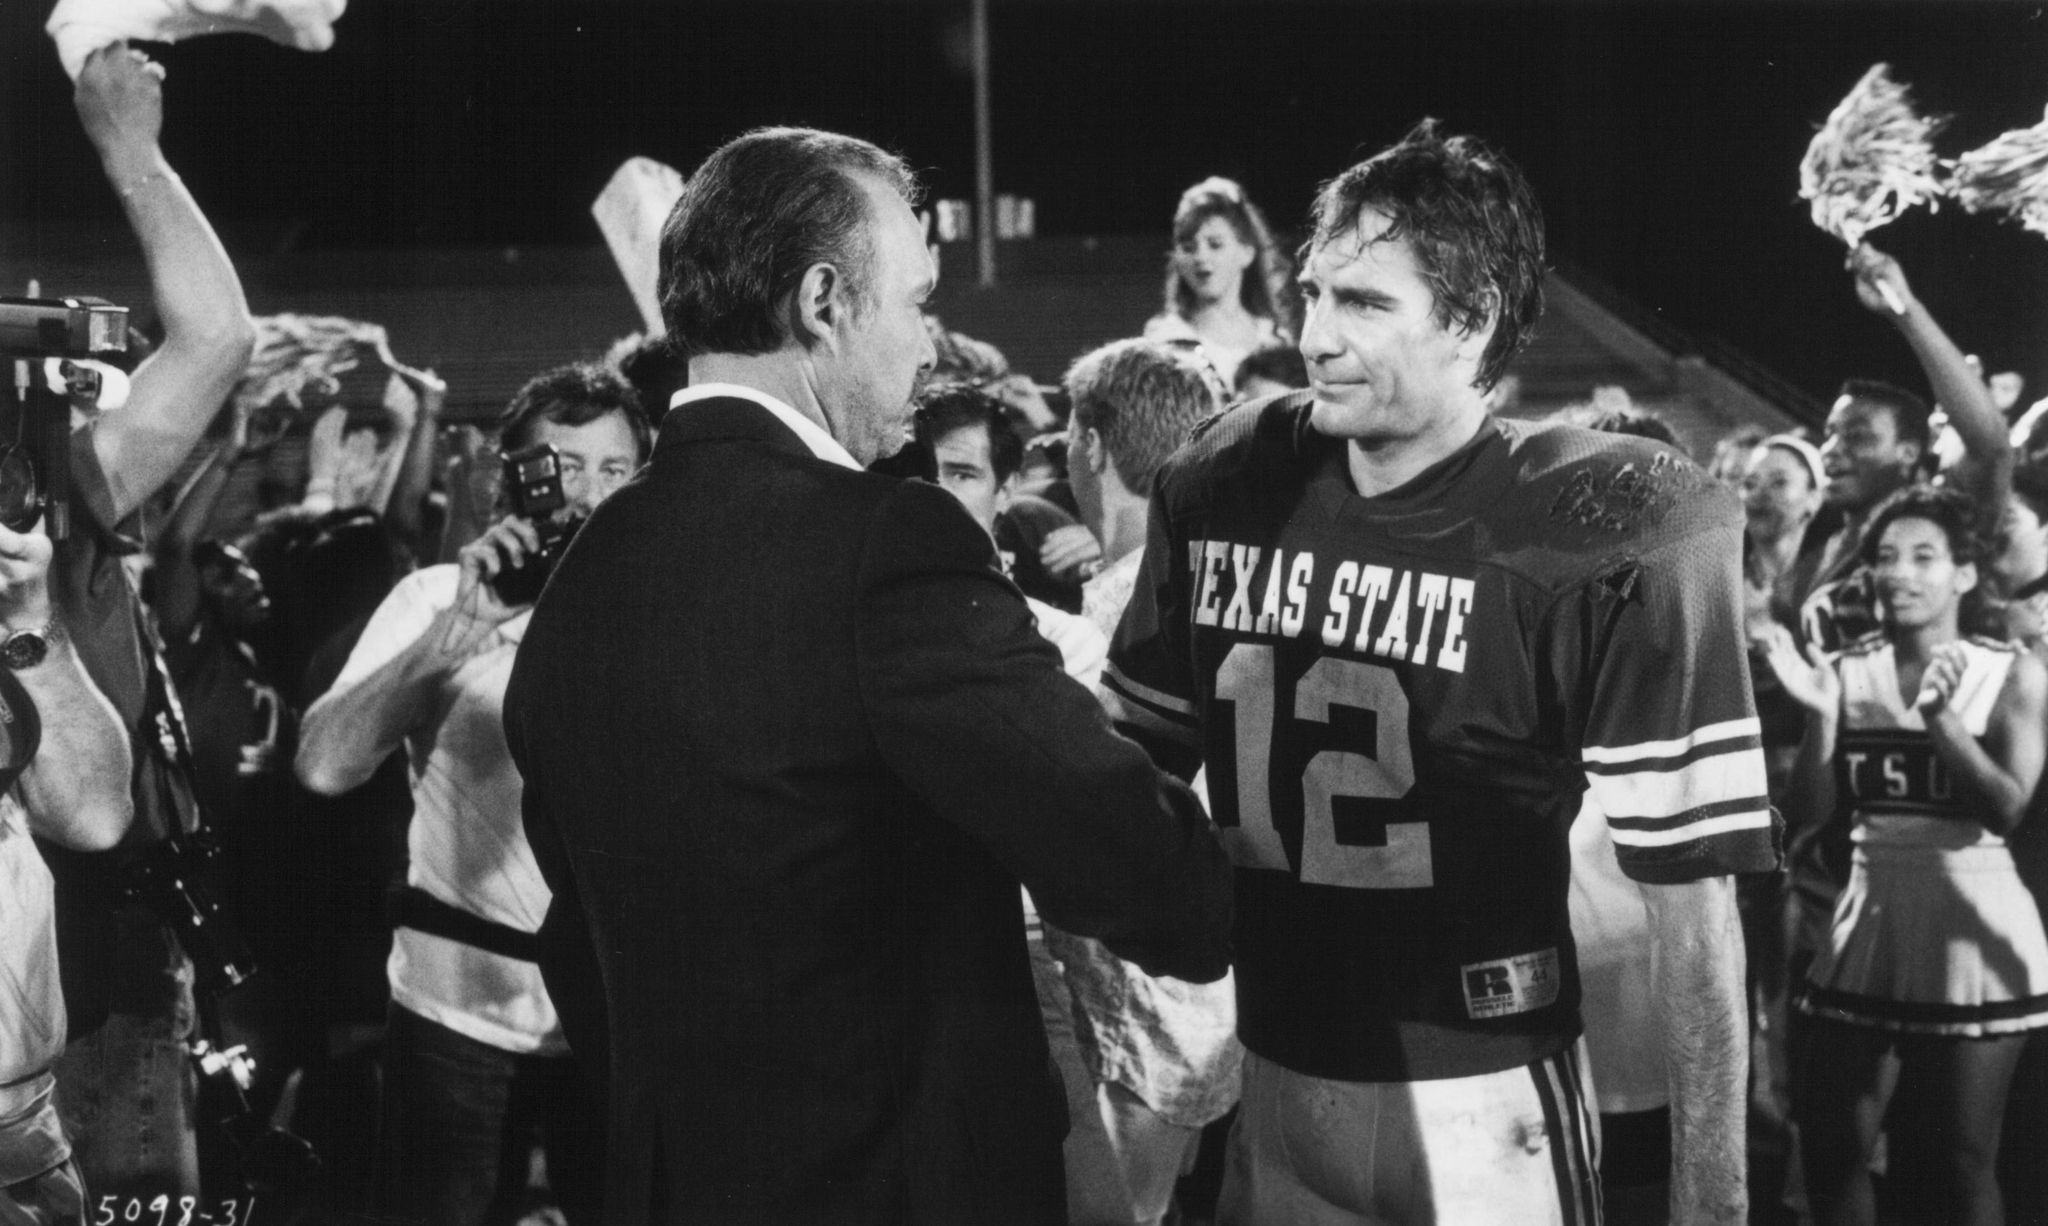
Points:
[(1663, 140)]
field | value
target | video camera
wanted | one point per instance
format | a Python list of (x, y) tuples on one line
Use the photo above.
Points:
[(35, 424)]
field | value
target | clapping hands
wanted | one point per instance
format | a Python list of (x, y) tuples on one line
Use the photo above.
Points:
[(1938, 684)]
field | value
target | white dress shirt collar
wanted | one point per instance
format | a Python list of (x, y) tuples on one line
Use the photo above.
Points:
[(822, 444)]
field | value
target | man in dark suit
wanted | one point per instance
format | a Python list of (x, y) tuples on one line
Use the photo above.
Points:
[(790, 744)]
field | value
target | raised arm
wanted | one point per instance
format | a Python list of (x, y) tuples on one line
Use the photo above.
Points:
[(394, 678), (76, 789), (2003, 771), (403, 510), (207, 332), (1986, 437), (1812, 681)]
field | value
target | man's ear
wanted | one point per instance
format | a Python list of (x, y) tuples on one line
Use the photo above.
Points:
[(1006, 493), (1098, 455), (818, 305), (1913, 451)]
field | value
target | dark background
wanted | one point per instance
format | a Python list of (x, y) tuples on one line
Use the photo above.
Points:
[(1663, 140)]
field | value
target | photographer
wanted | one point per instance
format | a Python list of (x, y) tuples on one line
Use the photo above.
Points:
[(123, 1088), (474, 1049), (73, 792)]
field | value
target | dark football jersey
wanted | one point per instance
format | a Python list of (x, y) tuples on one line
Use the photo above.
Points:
[(1401, 700)]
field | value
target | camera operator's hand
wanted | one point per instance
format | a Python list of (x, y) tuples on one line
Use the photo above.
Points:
[(506, 545), (120, 100), (24, 570)]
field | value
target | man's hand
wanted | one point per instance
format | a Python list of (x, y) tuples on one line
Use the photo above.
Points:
[(120, 100), (477, 611), (1069, 553), (1880, 283), (24, 570)]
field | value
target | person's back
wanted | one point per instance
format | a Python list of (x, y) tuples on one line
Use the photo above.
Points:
[(790, 744)]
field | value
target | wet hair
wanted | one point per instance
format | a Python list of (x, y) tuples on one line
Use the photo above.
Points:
[(1282, 364), (760, 212), (572, 395), (1472, 222), (1910, 414), (1267, 288), (1144, 398), (952, 407)]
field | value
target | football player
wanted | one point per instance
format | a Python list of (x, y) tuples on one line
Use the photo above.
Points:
[(1406, 638)]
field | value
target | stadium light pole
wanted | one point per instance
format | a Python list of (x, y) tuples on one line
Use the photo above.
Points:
[(984, 156)]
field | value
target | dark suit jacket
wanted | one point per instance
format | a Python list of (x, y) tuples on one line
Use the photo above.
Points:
[(790, 743)]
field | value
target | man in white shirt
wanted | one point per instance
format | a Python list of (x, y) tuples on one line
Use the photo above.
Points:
[(1162, 1054), (64, 768), (474, 1043)]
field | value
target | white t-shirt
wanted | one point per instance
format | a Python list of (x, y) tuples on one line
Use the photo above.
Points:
[(467, 843), (31, 1004), (1083, 649), (1170, 1042), (1611, 927)]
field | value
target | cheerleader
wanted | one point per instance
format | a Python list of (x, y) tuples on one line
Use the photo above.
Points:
[(1229, 286), (1937, 954)]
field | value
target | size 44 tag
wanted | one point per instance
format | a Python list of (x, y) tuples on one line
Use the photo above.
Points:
[(1511, 985)]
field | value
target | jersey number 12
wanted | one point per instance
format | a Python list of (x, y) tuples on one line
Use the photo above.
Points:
[(1246, 680)]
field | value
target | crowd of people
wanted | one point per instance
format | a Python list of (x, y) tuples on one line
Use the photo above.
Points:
[(1421, 815)]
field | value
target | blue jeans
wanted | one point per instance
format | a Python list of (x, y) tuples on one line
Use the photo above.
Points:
[(457, 1119), (54, 1198), (126, 1094)]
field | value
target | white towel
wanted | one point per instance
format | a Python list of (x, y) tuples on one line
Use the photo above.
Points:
[(81, 27), (630, 211)]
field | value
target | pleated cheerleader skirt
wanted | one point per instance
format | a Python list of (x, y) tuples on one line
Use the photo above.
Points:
[(1931, 940)]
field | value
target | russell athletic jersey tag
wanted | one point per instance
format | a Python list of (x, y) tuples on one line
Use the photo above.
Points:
[(1511, 985)]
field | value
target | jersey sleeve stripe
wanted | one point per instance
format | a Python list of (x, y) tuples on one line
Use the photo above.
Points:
[(1758, 818), (1676, 747), (1743, 804), (1676, 761), (1165, 703), (1130, 713), (1666, 793)]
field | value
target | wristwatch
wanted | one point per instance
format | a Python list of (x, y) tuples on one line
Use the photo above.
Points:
[(28, 648)]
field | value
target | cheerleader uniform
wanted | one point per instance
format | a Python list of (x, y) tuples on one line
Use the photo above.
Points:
[(1935, 934)]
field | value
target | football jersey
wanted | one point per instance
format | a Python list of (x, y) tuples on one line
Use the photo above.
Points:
[(1401, 699)]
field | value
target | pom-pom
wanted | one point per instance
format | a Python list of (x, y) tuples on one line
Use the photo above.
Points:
[(298, 353), (2009, 175), (1871, 161)]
